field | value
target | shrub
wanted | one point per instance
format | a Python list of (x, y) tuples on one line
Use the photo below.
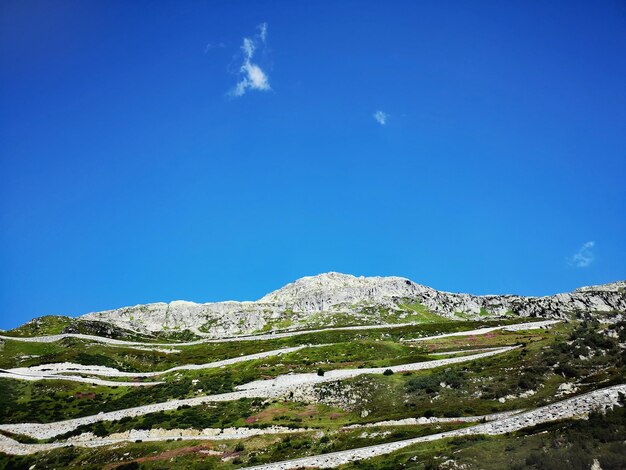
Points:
[(428, 383), (432, 383), (388, 372), (567, 370), (128, 466), (320, 372), (99, 429)]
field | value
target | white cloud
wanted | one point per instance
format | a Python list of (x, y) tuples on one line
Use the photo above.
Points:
[(254, 79), (584, 256), (252, 76), (381, 117), (248, 48), (210, 46), (262, 31)]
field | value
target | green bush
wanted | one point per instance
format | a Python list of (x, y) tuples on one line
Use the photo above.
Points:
[(431, 383)]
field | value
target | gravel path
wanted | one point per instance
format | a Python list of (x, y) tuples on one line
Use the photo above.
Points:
[(571, 408), (499, 423), (257, 389), (434, 420), (216, 434), (156, 435), (460, 351), (294, 380), (72, 368), (56, 370), (7, 374), (259, 337), (482, 331), (266, 336)]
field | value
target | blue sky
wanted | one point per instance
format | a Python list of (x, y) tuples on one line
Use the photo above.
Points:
[(153, 151)]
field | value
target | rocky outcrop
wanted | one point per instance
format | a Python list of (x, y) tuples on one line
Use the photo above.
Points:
[(340, 291), (326, 299)]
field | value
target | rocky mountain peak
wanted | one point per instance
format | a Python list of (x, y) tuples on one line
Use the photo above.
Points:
[(336, 288), (333, 298), (619, 286)]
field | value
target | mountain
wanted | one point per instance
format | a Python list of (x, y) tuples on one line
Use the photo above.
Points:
[(335, 299), (357, 372)]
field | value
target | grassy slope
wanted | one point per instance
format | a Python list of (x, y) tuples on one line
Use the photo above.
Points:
[(47, 325), (567, 445), (548, 358), (47, 401), (17, 353)]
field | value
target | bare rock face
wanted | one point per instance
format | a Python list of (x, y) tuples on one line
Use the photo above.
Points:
[(325, 291), (318, 301), (610, 298)]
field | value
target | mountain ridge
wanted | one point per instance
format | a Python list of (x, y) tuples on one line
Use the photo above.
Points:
[(336, 299)]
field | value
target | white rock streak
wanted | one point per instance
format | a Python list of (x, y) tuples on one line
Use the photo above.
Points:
[(268, 336), (482, 331), (217, 434), (572, 408), (56, 371), (295, 380), (434, 420), (576, 407), (68, 367), (260, 337), (257, 389), (72, 378)]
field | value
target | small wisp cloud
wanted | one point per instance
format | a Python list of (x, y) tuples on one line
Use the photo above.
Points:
[(252, 77), (210, 45), (381, 117), (262, 31), (584, 256)]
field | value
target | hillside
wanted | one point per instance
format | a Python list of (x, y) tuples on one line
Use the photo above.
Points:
[(329, 371)]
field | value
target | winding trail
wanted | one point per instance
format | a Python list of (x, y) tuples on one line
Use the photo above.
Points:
[(259, 337), (460, 351), (257, 389), (7, 374), (295, 380), (571, 408), (434, 420), (266, 336), (72, 368), (500, 423), (217, 434), (57, 370), (482, 331)]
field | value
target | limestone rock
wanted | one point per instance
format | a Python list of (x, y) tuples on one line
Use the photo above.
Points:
[(320, 300)]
